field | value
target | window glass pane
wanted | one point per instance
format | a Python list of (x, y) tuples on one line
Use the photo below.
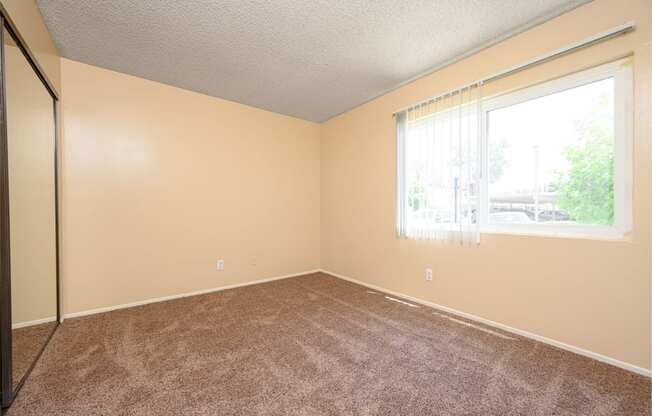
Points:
[(430, 191), (441, 169), (551, 159)]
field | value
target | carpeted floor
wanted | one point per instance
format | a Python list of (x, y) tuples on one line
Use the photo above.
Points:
[(312, 345), (26, 344)]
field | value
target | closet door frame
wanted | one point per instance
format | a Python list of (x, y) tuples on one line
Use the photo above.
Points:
[(8, 392)]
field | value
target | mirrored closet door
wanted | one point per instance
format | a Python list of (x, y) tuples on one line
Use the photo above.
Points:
[(28, 189)]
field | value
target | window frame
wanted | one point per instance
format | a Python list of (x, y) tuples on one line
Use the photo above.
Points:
[(621, 72)]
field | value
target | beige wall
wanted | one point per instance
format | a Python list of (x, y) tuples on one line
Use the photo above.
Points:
[(159, 174), (30, 143), (591, 294), (160, 182)]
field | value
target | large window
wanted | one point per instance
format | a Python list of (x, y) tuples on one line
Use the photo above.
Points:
[(553, 159)]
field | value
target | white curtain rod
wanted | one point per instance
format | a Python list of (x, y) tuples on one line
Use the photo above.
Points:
[(600, 37)]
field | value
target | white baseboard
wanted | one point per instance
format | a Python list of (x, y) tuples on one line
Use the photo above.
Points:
[(599, 357), (34, 322), (594, 355), (181, 295)]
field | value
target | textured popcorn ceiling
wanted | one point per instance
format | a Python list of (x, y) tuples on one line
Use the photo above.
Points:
[(311, 59)]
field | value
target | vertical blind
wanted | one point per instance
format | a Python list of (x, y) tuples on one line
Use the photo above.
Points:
[(438, 191)]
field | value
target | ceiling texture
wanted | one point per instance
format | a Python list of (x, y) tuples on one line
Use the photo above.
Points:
[(311, 59)]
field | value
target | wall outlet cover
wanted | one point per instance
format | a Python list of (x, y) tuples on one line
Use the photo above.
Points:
[(428, 275)]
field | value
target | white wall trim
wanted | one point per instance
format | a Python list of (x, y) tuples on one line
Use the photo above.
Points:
[(181, 295), (34, 322), (599, 357), (594, 355)]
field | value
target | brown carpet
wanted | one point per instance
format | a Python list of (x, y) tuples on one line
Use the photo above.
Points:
[(26, 343), (312, 345)]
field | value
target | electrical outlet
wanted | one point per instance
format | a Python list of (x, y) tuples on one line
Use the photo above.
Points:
[(428, 275), (220, 265)]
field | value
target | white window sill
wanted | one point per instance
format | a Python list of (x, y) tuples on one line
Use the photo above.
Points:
[(579, 233), (587, 234)]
